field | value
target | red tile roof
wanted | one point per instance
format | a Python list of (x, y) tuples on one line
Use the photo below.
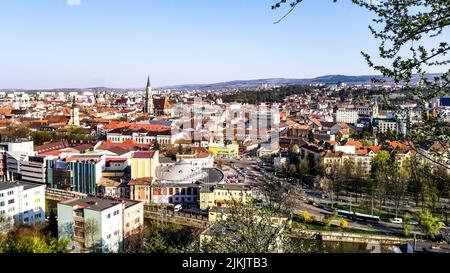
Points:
[(128, 145), (355, 143), (375, 149), (116, 124), (140, 181)]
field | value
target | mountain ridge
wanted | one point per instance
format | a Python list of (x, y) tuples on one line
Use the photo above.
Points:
[(325, 79)]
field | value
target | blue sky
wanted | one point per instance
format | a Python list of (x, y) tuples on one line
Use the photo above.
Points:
[(116, 43)]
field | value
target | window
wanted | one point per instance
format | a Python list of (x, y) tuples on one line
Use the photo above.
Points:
[(108, 236), (79, 213), (108, 216), (37, 216), (170, 191), (1, 194), (137, 220), (115, 212), (2, 203), (37, 200), (11, 201), (10, 192), (116, 233), (127, 225), (25, 219), (183, 191)]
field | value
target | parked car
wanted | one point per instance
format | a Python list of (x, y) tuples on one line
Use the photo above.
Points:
[(178, 207), (397, 220), (413, 222)]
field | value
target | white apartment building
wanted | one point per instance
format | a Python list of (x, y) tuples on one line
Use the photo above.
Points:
[(386, 125), (33, 169), (22, 203), (145, 138), (347, 115), (14, 152), (99, 224)]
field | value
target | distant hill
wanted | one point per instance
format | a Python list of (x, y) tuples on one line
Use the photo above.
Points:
[(327, 79)]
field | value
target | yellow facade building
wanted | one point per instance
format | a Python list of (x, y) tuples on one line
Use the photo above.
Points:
[(143, 164), (224, 151), (224, 195)]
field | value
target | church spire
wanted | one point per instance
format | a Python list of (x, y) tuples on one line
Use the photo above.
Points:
[(74, 115), (148, 105)]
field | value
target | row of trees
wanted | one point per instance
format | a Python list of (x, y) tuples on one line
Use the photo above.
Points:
[(390, 180), (258, 96), (30, 239), (72, 134)]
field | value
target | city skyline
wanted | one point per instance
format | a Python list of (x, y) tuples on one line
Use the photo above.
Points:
[(74, 44)]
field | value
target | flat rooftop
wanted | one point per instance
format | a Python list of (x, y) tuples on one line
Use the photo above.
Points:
[(26, 185), (99, 204)]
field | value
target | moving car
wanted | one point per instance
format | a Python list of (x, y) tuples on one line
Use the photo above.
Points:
[(397, 220)]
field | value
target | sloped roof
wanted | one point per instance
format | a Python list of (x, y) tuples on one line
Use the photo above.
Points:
[(141, 181), (161, 103), (146, 154), (51, 146)]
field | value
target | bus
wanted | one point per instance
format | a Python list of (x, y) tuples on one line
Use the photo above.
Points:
[(358, 216)]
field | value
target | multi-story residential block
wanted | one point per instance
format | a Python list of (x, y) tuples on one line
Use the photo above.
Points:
[(387, 125), (347, 115), (145, 134), (12, 154), (332, 161), (34, 169), (22, 203), (99, 224), (79, 173)]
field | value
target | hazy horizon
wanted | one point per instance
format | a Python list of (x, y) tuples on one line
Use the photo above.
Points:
[(181, 84)]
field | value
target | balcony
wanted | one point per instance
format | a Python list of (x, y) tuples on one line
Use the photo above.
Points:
[(78, 229), (80, 240), (78, 218)]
